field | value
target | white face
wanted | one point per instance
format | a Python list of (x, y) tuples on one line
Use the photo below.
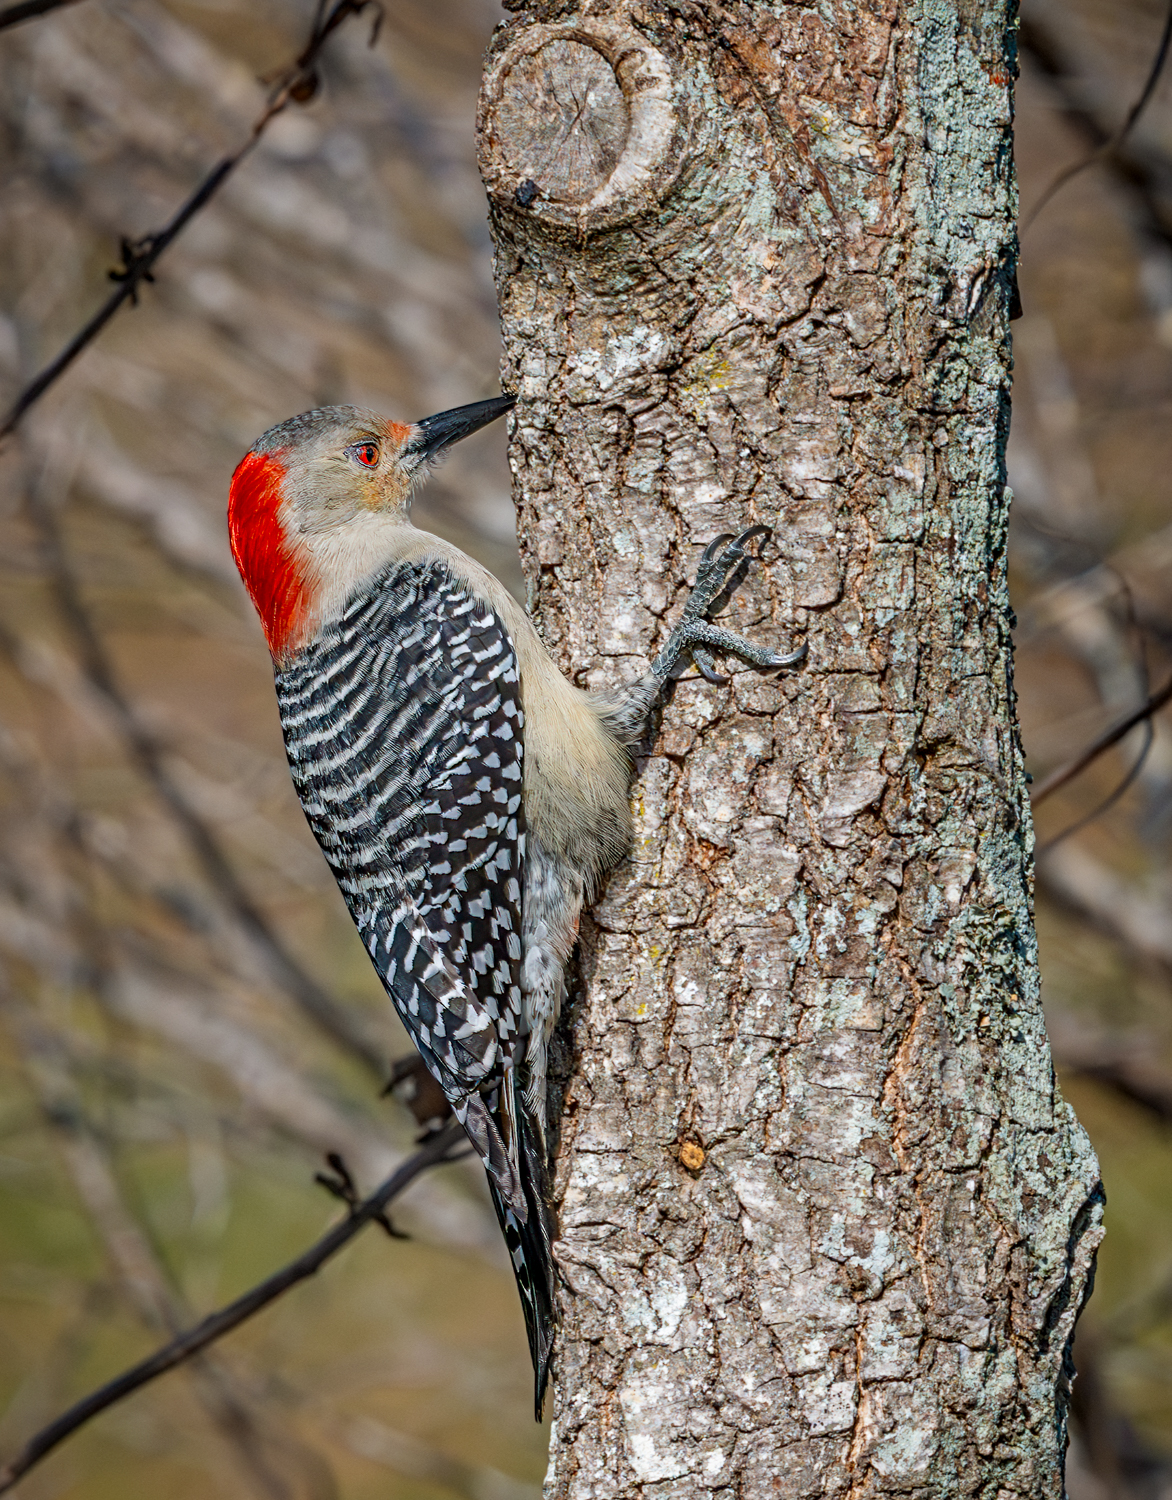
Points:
[(346, 502), (347, 470)]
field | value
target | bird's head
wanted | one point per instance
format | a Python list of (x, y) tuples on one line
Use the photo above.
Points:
[(315, 502)]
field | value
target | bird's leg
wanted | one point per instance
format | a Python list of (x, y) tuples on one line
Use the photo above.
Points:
[(716, 575), (628, 710)]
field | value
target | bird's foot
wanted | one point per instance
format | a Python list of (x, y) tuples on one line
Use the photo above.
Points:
[(697, 636)]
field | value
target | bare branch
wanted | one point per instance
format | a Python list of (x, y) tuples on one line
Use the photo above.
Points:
[(131, 982), (441, 1148), (28, 10), (1115, 141), (1112, 797), (1109, 737), (295, 83), (144, 1279), (1042, 39)]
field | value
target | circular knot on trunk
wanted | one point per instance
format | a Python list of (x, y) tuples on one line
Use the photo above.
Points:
[(578, 124)]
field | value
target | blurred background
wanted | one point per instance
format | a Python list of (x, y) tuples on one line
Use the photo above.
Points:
[(187, 1020)]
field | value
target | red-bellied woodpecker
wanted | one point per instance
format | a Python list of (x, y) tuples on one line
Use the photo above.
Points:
[(466, 795)]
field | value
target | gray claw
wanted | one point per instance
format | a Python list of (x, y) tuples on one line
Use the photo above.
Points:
[(713, 571), (715, 545), (777, 659), (736, 551), (707, 667), (697, 635), (703, 633)]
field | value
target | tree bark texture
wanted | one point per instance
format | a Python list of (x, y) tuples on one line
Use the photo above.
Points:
[(825, 1221)]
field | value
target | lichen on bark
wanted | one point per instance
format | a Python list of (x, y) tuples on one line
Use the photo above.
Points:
[(825, 1219)]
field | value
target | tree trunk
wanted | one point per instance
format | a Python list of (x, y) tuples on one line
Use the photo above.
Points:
[(825, 1221)]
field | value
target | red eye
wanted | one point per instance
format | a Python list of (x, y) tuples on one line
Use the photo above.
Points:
[(365, 453)]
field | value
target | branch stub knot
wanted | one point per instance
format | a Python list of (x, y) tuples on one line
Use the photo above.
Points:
[(578, 125)]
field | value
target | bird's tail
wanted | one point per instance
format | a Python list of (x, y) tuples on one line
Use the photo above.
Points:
[(529, 1241), (500, 1163)]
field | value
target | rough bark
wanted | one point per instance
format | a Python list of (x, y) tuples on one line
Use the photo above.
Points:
[(825, 1220)]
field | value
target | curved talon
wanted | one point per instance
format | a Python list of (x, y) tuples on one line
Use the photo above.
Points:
[(714, 545), (793, 657), (714, 563), (747, 536), (695, 634), (706, 668)]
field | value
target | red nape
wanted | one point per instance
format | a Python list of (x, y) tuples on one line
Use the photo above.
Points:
[(266, 561)]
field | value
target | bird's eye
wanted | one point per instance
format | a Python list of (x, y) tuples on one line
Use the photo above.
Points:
[(365, 453)]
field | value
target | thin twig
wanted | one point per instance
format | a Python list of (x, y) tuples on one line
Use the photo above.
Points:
[(157, 1302), (1115, 141), (216, 1325), (1142, 174), (1108, 144), (27, 10), (1109, 800), (1109, 737), (297, 82), (1145, 678)]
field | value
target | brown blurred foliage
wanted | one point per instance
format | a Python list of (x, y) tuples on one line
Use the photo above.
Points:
[(187, 1021), (1091, 551)]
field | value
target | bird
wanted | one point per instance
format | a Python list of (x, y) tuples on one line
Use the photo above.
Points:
[(467, 797)]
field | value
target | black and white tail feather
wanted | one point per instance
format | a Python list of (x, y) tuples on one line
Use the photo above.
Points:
[(529, 1240), (403, 725)]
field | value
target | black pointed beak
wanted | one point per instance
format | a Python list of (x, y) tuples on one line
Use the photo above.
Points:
[(436, 433)]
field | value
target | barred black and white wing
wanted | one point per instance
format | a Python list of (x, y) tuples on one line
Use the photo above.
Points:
[(403, 725)]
